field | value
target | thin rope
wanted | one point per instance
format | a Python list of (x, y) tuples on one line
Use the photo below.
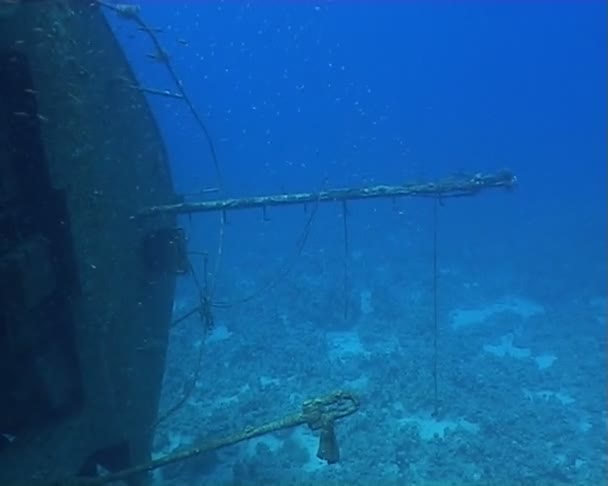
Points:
[(218, 255), (207, 321), (282, 273), (346, 252), (435, 310)]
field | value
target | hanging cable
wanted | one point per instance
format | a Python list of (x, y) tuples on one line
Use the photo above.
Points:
[(204, 311), (188, 388), (435, 311), (218, 255), (346, 252), (282, 273)]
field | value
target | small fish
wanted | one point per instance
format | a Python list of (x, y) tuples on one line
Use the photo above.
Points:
[(75, 98), (9, 437), (153, 30), (159, 56)]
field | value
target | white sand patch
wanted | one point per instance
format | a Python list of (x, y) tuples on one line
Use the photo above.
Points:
[(345, 345), (517, 306), (218, 333), (365, 302), (227, 401), (544, 361), (309, 441), (381, 342), (584, 425), (271, 441), (429, 427), (506, 348), (360, 384), (230, 400), (266, 381), (564, 459), (547, 396)]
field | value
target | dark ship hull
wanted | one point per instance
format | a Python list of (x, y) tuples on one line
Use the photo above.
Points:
[(86, 290)]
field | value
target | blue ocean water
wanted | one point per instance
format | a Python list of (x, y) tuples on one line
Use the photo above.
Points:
[(303, 96)]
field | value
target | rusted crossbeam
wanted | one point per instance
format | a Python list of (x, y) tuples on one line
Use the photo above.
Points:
[(445, 188)]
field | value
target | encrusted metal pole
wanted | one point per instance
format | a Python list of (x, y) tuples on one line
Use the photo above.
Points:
[(318, 413), (444, 188)]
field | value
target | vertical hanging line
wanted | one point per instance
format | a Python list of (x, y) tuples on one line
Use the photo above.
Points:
[(435, 309), (345, 230), (204, 311), (218, 255)]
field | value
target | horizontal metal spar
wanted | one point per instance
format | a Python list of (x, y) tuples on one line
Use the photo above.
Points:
[(444, 188)]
